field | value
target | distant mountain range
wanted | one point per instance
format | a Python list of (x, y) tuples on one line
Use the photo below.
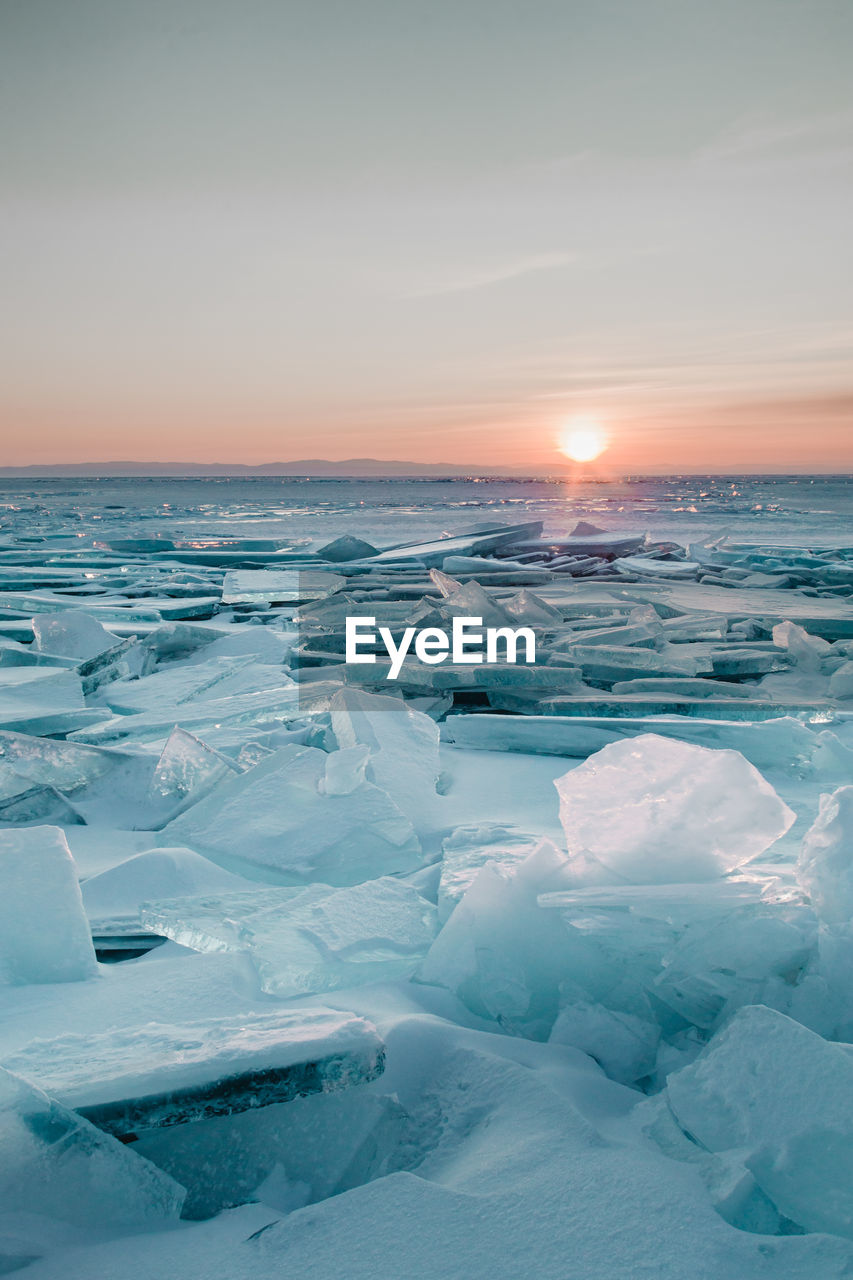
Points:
[(301, 467)]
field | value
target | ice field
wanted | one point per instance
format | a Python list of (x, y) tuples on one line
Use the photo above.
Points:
[(488, 970)]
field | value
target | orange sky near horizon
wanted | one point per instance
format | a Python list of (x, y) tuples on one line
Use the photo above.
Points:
[(797, 435)]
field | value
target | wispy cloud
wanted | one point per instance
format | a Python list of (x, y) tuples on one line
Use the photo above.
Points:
[(487, 276), (826, 138)]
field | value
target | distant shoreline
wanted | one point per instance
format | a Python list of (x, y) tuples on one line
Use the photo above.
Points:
[(360, 469)]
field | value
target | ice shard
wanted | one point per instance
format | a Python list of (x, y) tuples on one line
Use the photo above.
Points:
[(71, 633), (278, 586), (825, 865), (44, 933), (653, 810), (402, 745), (112, 898), (280, 816)]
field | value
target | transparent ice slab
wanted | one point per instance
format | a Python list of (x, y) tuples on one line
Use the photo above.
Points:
[(653, 810), (170, 688), (270, 708), (37, 691), (279, 815), (402, 745), (500, 953), (487, 538), (825, 865), (44, 933), (783, 742), (64, 765), (72, 633), (278, 586), (467, 849), (310, 940), (185, 772)]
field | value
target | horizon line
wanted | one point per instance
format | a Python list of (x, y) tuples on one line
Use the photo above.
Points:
[(136, 469)]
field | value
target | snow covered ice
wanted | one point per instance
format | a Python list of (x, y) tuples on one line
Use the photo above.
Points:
[(486, 970), (781, 1098), (162, 1074), (54, 1163)]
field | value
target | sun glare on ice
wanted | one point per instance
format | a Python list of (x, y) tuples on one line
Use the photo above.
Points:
[(582, 444)]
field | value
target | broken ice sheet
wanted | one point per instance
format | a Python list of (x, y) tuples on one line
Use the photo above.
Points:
[(685, 686), (112, 898), (290, 1154), (782, 1097), (44, 933), (71, 633), (652, 810), (624, 1044), (754, 954), (480, 566), (186, 771), (272, 707), (55, 1162), (782, 742), (527, 609), (22, 802), (134, 790), (279, 816), (403, 749), (37, 692), (500, 953), (64, 765), (473, 601), (132, 1079), (663, 953), (213, 922), (641, 626), (176, 688), (650, 566), (825, 865), (278, 586), (309, 940), (467, 849), (611, 663), (806, 651), (266, 645), (477, 542)]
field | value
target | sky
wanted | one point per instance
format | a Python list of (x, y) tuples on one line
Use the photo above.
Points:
[(250, 230)]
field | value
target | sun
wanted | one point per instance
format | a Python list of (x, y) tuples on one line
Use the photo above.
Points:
[(583, 443)]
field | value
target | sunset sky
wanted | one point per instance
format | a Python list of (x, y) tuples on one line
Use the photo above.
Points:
[(246, 230)]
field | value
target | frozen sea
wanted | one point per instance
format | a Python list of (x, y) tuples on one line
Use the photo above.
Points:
[(498, 970), (785, 510)]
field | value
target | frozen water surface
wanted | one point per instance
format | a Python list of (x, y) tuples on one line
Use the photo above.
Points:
[(593, 915)]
